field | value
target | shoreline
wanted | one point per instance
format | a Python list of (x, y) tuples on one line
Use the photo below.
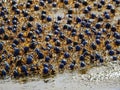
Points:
[(97, 78)]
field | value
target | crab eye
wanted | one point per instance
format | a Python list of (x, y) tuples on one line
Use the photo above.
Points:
[(1, 46), (16, 52), (111, 52), (107, 16), (102, 2), (76, 5), (117, 42), (99, 5), (41, 3), (49, 19), (15, 73), (29, 60), (101, 60), (108, 25), (36, 7), (28, 5), (70, 11), (82, 58), (31, 18), (77, 48), (54, 4), (65, 2), (66, 55), (93, 46), (3, 72), (47, 59), (78, 20), (109, 6), (24, 69), (114, 58), (97, 26), (98, 41), (40, 55), (45, 70), (72, 66), (108, 47), (85, 3), (7, 67), (82, 64), (2, 30), (61, 66), (89, 8), (64, 61)]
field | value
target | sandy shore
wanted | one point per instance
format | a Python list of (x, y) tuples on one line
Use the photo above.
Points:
[(98, 78)]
